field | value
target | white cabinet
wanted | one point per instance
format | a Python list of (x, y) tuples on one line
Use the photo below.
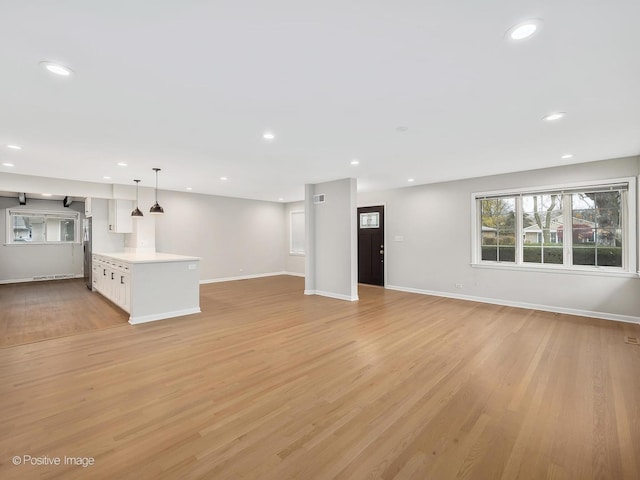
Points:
[(87, 207), (120, 216), (112, 279)]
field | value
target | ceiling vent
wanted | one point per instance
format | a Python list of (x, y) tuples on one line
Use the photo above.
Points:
[(319, 198)]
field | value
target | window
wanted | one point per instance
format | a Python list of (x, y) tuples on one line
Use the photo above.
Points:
[(31, 227), (579, 227), (296, 246)]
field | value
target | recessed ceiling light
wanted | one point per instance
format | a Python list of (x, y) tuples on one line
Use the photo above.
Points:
[(57, 69), (107, 177), (46, 194), (355, 161), (224, 179), (411, 180), (524, 30), (189, 188), (268, 136), (554, 116), (14, 147), (121, 164), (281, 199), (566, 156), (7, 164)]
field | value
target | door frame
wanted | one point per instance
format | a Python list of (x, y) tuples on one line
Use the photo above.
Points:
[(384, 223)]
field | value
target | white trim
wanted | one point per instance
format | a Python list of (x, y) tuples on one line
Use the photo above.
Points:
[(529, 306), (162, 316), (60, 276), (547, 268), (533, 190), (242, 277), (337, 296), (294, 274)]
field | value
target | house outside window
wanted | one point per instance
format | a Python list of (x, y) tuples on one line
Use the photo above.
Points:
[(581, 227)]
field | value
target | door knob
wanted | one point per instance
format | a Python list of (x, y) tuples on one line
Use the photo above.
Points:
[(381, 252)]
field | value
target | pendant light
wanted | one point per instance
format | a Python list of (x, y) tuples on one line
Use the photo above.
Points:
[(136, 212), (156, 209)]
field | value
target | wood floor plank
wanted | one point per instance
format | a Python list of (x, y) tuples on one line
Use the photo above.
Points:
[(267, 383)]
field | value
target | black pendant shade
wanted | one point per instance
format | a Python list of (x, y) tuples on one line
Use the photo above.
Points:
[(136, 211), (156, 209)]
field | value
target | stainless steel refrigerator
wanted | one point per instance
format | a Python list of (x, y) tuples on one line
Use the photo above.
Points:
[(86, 242)]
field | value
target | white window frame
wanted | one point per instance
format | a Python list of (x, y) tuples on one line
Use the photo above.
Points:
[(628, 223), (63, 215), (292, 251)]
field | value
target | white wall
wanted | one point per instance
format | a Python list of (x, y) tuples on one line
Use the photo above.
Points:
[(23, 262), (435, 221), (331, 267), (234, 237), (292, 263)]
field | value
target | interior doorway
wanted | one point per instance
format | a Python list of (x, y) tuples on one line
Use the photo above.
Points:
[(371, 245)]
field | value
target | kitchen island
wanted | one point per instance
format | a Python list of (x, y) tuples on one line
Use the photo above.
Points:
[(148, 286)]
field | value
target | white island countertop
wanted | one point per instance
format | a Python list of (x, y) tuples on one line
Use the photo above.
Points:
[(147, 257)]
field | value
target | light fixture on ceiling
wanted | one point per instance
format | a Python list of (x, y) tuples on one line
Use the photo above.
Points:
[(46, 194), (355, 161), (281, 199), (14, 147), (136, 211), (224, 179), (552, 117), (189, 188), (106, 177), (121, 164), (56, 68), (411, 180), (567, 156), (524, 30), (7, 164), (268, 136), (156, 209)]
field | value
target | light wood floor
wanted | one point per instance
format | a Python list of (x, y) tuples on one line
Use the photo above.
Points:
[(270, 384), (34, 311)]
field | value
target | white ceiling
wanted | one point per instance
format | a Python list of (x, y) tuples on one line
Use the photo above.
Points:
[(190, 86)]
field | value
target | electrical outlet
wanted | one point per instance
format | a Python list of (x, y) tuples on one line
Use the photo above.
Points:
[(458, 285)]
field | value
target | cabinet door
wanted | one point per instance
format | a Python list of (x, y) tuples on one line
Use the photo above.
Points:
[(120, 216), (87, 207), (124, 292)]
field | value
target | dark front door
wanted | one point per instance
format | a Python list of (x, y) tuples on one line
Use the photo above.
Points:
[(371, 245)]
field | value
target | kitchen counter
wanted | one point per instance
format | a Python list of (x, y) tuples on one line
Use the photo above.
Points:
[(149, 286), (147, 257)]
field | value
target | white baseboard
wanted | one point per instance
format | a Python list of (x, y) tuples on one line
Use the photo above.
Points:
[(162, 316), (60, 276), (530, 306), (242, 277), (294, 274), (338, 296)]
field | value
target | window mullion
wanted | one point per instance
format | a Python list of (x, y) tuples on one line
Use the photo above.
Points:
[(519, 231), (568, 230)]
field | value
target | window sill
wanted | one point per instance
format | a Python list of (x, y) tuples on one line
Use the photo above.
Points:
[(595, 271), (26, 244)]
